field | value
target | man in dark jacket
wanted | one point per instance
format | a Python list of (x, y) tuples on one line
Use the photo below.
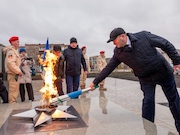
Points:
[(59, 69), (138, 51), (3, 90), (74, 58)]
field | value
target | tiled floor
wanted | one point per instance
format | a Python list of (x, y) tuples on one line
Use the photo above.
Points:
[(128, 95)]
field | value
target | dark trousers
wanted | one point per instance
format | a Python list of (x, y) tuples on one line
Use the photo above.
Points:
[(169, 88), (59, 87), (29, 91), (4, 95), (72, 83)]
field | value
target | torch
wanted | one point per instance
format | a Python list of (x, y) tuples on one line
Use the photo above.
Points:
[(71, 95)]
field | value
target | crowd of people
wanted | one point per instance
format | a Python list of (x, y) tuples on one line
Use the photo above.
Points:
[(137, 50), (71, 67)]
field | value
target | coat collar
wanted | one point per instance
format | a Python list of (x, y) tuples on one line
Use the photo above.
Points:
[(132, 37)]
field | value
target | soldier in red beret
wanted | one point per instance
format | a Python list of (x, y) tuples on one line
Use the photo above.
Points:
[(101, 65), (12, 63), (83, 75)]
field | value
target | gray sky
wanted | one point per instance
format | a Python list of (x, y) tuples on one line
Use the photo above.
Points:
[(90, 21)]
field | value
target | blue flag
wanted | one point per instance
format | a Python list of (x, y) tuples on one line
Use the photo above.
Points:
[(47, 47)]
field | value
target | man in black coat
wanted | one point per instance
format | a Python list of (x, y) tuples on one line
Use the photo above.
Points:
[(59, 69), (138, 51), (74, 58)]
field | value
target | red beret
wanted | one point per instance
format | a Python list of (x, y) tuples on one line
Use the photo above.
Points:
[(83, 47), (14, 38), (102, 52)]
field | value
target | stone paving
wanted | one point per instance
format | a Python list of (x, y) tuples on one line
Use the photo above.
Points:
[(128, 95)]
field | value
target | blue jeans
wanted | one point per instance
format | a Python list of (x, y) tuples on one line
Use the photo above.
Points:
[(169, 88), (72, 83)]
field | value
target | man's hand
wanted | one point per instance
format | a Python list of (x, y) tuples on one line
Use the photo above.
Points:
[(23, 64), (92, 86), (20, 73), (22, 58), (62, 79), (85, 72)]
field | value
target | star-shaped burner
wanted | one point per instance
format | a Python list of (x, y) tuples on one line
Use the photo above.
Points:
[(41, 114)]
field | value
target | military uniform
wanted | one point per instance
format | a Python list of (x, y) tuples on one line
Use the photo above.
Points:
[(83, 75), (12, 63), (101, 65)]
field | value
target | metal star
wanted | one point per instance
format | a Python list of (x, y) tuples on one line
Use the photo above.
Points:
[(41, 117)]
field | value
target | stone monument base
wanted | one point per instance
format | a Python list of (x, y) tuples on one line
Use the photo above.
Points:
[(15, 125)]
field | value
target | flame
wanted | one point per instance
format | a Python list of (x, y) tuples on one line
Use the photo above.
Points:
[(49, 88)]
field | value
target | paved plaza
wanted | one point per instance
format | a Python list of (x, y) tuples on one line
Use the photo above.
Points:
[(128, 95)]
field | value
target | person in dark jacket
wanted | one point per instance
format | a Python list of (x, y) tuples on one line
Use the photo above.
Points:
[(139, 52), (3, 90), (74, 58), (59, 69)]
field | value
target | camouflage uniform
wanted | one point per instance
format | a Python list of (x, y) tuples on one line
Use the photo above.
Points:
[(101, 65), (83, 75)]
